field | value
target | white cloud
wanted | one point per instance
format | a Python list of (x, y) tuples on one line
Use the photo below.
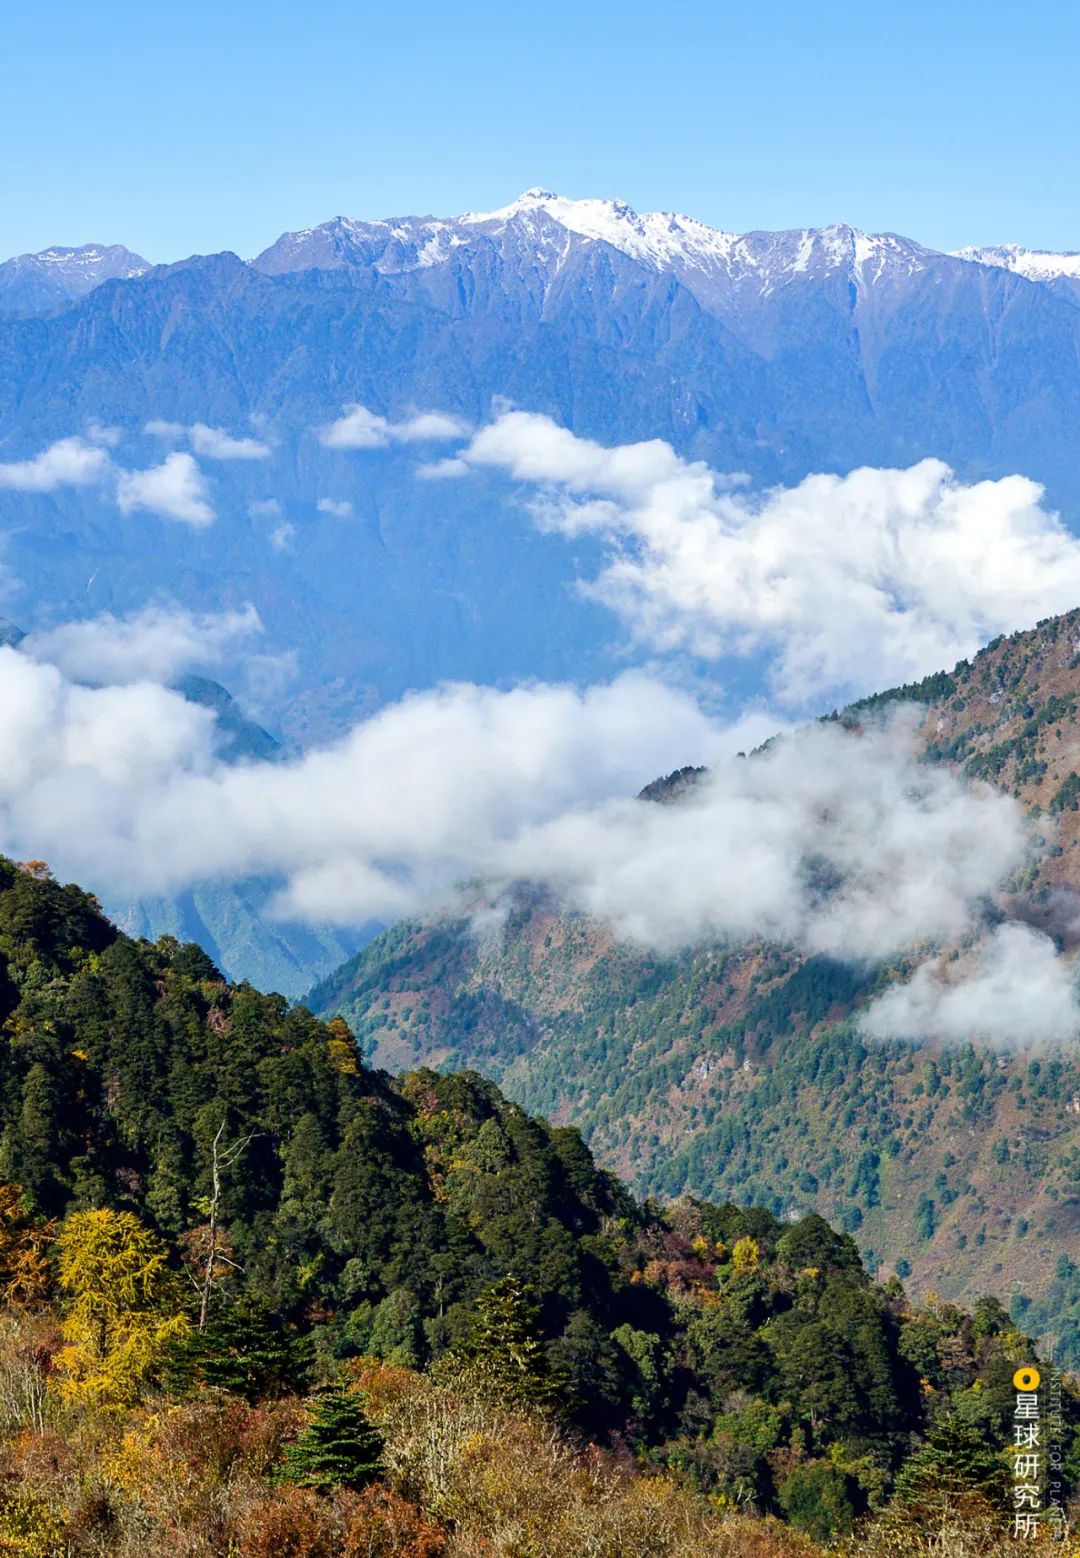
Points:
[(852, 583), (173, 490), (265, 508), (834, 842), (99, 434), (335, 509), (1016, 992), (266, 677), (76, 746), (213, 443), (359, 428), (416, 797), (281, 536), (70, 462), (443, 470), (839, 843), (154, 644)]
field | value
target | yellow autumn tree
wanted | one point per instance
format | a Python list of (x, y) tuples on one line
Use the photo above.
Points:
[(122, 1306), (746, 1256), (341, 1047), (24, 1270)]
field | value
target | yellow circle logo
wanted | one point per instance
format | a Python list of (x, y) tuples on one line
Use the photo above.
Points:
[(1027, 1379)]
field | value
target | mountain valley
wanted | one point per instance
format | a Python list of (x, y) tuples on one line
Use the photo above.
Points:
[(742, 1070)]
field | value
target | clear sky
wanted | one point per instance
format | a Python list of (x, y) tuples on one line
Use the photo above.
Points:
[(201, 126)]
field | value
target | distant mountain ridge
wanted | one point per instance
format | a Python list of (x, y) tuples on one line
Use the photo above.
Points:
[(662, 240), (665, 240), (1035, 264), (34, 283)]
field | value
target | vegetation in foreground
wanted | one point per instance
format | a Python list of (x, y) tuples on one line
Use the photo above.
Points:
[(258, 1299)]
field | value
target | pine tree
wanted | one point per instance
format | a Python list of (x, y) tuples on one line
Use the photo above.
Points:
[(338, 1448), (241, 1351), (504, 1353)]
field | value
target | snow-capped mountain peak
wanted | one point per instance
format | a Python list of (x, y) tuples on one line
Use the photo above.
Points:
[(91, 259), (703, 256), (655, 237), (80, 269), (62, 275), (723, 269), (1035, 264)]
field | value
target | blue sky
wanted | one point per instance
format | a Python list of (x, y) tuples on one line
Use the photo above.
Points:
[(207, 126)]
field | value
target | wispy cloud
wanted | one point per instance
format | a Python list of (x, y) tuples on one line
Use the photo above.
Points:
[(359, 428), (264, 508), (838, 843), (213, 443), (335, 509)]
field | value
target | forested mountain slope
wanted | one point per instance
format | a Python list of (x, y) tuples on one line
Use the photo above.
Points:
[(739, 1071), (208, 1204)]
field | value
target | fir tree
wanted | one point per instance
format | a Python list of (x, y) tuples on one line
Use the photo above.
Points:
[(504, 1352), (242, 1351), (954, 1466), (338, 1448)]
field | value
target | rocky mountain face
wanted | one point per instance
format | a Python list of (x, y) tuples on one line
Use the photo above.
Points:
[(740, 1070)]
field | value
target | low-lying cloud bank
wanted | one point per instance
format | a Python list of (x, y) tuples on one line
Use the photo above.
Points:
[(838, 843), (841, 844), (832, 842), (851, 583), (119, 784)]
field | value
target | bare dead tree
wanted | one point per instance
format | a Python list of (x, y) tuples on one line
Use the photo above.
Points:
[(222, 1159)]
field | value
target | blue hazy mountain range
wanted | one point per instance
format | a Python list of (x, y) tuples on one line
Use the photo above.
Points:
[(773, 354), (34, 283)]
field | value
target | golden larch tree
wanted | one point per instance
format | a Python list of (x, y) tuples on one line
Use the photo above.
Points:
[(122, 1306)]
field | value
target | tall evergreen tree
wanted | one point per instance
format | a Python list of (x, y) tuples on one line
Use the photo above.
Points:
[(242, 1351), (504, 1351), (954, 1467), (338, 1448)]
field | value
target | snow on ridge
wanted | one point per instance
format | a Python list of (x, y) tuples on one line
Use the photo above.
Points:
[(86, 257), (655, 235), (668, 239), (1034, 264), (705, 258)]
